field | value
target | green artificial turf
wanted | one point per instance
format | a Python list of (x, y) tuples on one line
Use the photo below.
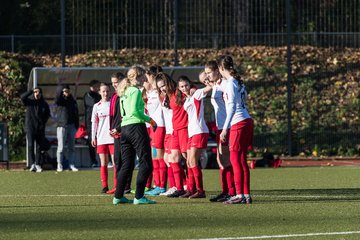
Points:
[(287, 201)]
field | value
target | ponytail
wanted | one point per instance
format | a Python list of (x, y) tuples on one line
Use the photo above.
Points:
[(226, 62)]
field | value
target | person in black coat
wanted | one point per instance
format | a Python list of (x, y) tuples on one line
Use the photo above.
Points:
[(37, 115), (67, 123), (90, 98)]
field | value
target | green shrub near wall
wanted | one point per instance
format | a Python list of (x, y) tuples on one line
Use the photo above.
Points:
[(13, 80)]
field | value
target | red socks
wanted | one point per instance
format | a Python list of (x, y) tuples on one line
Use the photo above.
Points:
[(178, 175), (162, 173), (171, 178), (246, 172), (148, 183), (227, 178), (198, 178), (190, 186), (223, 181), (156, 174), (104, 176), (241, 172)]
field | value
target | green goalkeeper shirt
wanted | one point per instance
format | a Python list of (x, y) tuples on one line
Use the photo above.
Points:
[(132, 107)]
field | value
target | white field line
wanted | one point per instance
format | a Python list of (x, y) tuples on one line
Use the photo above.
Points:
[(103, 195), (300, 196), (283, 236), (55, 195)]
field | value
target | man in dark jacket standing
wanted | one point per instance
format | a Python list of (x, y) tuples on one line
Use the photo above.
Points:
[(90, 98), (37, 114), (67, 125)]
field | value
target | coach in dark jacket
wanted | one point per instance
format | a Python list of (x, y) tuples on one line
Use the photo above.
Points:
[(67, 119), (37, 114), (90, 98)]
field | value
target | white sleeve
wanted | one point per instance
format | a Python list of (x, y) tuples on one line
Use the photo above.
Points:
[(94, 122), (231, 106), (199, 94)]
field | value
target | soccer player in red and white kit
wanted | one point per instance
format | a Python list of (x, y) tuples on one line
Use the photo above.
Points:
[(154, 110), (241, 129), (198, 136), (217, 100), (167, 113), (101, 138), (178, 144)]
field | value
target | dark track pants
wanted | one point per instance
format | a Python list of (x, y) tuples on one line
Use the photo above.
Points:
[(118, 162), (34, 139), (134, 141)]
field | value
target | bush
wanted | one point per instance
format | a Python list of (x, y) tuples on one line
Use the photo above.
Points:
[(325, 91)]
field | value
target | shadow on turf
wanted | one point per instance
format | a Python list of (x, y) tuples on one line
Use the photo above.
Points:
[(306, 195), (51, 206)]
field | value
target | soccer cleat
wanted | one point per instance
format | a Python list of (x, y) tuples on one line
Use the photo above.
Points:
[(186, 194), (73, 168), (32, 168), (198, 195), (217, 197), (143, 200), (155, 192), (104, 190), (117, 201), (246, 200), (225, 198), (111, 191), (59, 167), (110, 165), (234, 200), (176, 194), (169, 191), (38, 168)]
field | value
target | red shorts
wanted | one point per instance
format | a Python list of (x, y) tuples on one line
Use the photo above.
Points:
[(105, 149), (217, 137), (167, 143), (198, 141), (179, 139), (149, 131), (241, 135), (157, 138)]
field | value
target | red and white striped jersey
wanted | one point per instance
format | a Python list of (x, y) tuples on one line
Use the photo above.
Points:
[(100, 123), (194, 106)]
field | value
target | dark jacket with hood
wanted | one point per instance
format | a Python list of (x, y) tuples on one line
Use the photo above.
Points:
[(37, 112), (67, 110), (90, 98)]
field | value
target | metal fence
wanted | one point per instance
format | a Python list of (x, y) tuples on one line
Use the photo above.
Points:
[(174, 24), (167, 24)]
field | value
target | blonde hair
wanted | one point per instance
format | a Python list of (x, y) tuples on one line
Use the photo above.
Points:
[(122, 86), (135, 71)]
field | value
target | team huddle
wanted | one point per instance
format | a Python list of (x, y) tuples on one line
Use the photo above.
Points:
[(161, 122)]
